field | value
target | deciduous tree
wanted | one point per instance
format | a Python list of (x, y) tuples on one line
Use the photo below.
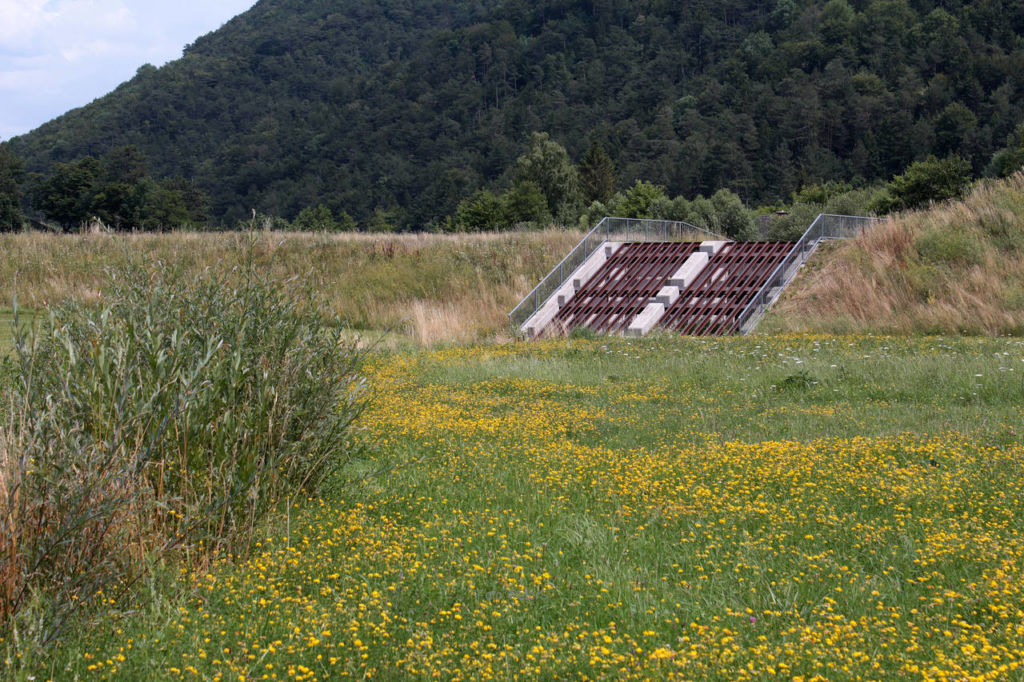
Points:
[(548, 165)]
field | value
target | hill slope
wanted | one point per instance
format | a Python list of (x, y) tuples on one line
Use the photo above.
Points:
[(407, 107), (955, 268)]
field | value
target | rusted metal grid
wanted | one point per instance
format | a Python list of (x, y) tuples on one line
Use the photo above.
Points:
[(623, 287), (711, 305), (608, 230)]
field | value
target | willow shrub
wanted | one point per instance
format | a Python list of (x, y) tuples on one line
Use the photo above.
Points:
[(165, 422)]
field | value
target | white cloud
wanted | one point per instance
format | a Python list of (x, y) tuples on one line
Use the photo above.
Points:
[(21, 18), (38, 24), (90, 50), (59, 54)]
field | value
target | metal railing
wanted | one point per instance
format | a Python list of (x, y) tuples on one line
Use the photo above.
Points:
[(825, 226), (609, 229)]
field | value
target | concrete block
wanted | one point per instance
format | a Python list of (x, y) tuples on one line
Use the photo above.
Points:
[(589, 267), (539, 321), (688, 272), (712, 247), (610, 248), (667, 296), (564, 294), (646, 320)]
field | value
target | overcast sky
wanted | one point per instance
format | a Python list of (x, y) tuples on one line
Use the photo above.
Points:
[(56, 55)]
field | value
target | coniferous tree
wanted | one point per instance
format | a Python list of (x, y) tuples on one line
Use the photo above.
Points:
[(597, 175)]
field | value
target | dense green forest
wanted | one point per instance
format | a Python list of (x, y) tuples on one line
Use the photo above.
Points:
[(394, 112)]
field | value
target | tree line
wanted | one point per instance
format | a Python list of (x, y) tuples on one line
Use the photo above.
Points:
[(544, 187), (115, 191)]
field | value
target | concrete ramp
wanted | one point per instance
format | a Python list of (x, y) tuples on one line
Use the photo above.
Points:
[(541, 320)]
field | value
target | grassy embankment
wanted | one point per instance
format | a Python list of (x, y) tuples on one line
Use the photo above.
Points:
[(956, 268), (424, 288), (743, 508)]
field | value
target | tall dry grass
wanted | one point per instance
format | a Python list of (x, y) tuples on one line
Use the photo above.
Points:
[(426, 288), (955, 268)]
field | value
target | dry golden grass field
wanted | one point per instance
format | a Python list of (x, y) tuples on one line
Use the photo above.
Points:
[(424, 288)]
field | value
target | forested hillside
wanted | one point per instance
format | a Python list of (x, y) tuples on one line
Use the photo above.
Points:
[(396, 110)]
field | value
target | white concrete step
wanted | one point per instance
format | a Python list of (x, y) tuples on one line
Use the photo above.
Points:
[(680, 280), (712, 247), (689, 270), (596, 261), (668, 295), (646, 320)]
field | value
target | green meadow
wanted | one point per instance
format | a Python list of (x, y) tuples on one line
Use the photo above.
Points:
[(776, 506), (788, 505)]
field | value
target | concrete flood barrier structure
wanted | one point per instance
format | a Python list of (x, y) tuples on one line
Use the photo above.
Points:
[(545, 315), (527, 317), (630, 276)]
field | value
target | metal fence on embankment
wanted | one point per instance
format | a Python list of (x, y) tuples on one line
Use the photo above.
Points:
[(609, 229), (825, 226)]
